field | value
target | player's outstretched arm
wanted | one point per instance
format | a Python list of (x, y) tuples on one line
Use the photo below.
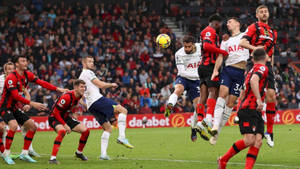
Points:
[(211, 48), (104, 85), (218, 64), (254, 82), (244, 43)]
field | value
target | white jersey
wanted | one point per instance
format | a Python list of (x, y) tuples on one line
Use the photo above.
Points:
[(190, 62), (92, 92), (2, 79), (236, 53)]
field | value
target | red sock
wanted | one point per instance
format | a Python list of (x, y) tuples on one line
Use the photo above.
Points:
[(57, 142), (251, 157), (1, 143), (9, 139), (234, 149), (83, 139), (28, 139), (211, 103), (270, 112), (200, 111)]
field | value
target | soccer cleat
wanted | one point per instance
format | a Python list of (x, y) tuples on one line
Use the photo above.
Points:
[(54, 161), (221, 164), (201, 130), (106, 157), (125, 142), (27, 158), (208, 126), (81, 156), (269, 138), (32, 153), (193, 134), (168, 110), (8, 160), (213, 140)]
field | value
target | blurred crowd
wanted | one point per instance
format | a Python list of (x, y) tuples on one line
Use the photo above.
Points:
[(121, 37)]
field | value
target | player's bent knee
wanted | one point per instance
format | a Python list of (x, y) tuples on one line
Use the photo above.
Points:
[(249, 139), (13, 125)]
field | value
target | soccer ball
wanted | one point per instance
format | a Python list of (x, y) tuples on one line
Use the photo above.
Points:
[(163, 40)]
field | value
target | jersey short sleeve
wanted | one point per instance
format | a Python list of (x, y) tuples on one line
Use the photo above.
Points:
[(31, 77), (90, 75), (63, 102), (208, 36), (249, 33), (178, 59), (261, 71), (11, 82)]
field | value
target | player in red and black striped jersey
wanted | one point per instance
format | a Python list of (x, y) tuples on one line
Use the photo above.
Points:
[(62, 122), (14, 87), (261, 35), (250, 118), (209, 88)]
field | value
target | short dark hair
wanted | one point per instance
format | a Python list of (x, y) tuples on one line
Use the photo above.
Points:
[(234, 18), (77, 82), (16, 58), (215, 17), (261, 7), (188, 39), (88, 56), (259, 54)]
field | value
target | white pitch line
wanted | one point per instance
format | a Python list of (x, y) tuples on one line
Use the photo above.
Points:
[(189, 161)]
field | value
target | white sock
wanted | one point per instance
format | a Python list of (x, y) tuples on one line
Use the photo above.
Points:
[(194, 120), (24, 152), (226, 115), (104, 142), (52, 157), (6, 152), (219, 109), (122, 125), (30, 147), (209, 117), (172, 99)]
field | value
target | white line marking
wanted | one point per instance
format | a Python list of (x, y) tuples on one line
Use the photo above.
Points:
[(190, 161)]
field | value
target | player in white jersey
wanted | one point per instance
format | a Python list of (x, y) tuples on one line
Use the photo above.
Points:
[(187, 61), (103, 108), (8, 68), (232, 76)]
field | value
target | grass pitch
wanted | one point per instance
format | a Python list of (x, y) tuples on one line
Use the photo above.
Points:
[(161, 148)]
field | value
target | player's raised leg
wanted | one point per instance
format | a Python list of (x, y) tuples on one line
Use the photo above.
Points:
[(31, 129), (85, 132), (179, 89), (122, 115)]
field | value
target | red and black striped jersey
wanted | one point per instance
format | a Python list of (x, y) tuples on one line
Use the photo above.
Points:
[(249, 101), (63, 106), (261, 34), (14, 87), (209, 35)]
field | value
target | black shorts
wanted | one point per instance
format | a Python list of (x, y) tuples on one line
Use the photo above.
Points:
[(271, 76), (251, 122), (8, 115), (53, 122), (205, 73)]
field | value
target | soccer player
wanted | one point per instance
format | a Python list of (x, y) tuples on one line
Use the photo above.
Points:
[(9, 67), (250, 117), (14, 87), (209, 88), (261, 35), (231, 78), (103, 108), (187, 61), (61, 121)]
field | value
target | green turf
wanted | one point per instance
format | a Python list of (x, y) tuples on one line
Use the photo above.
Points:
[(162, 148)]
